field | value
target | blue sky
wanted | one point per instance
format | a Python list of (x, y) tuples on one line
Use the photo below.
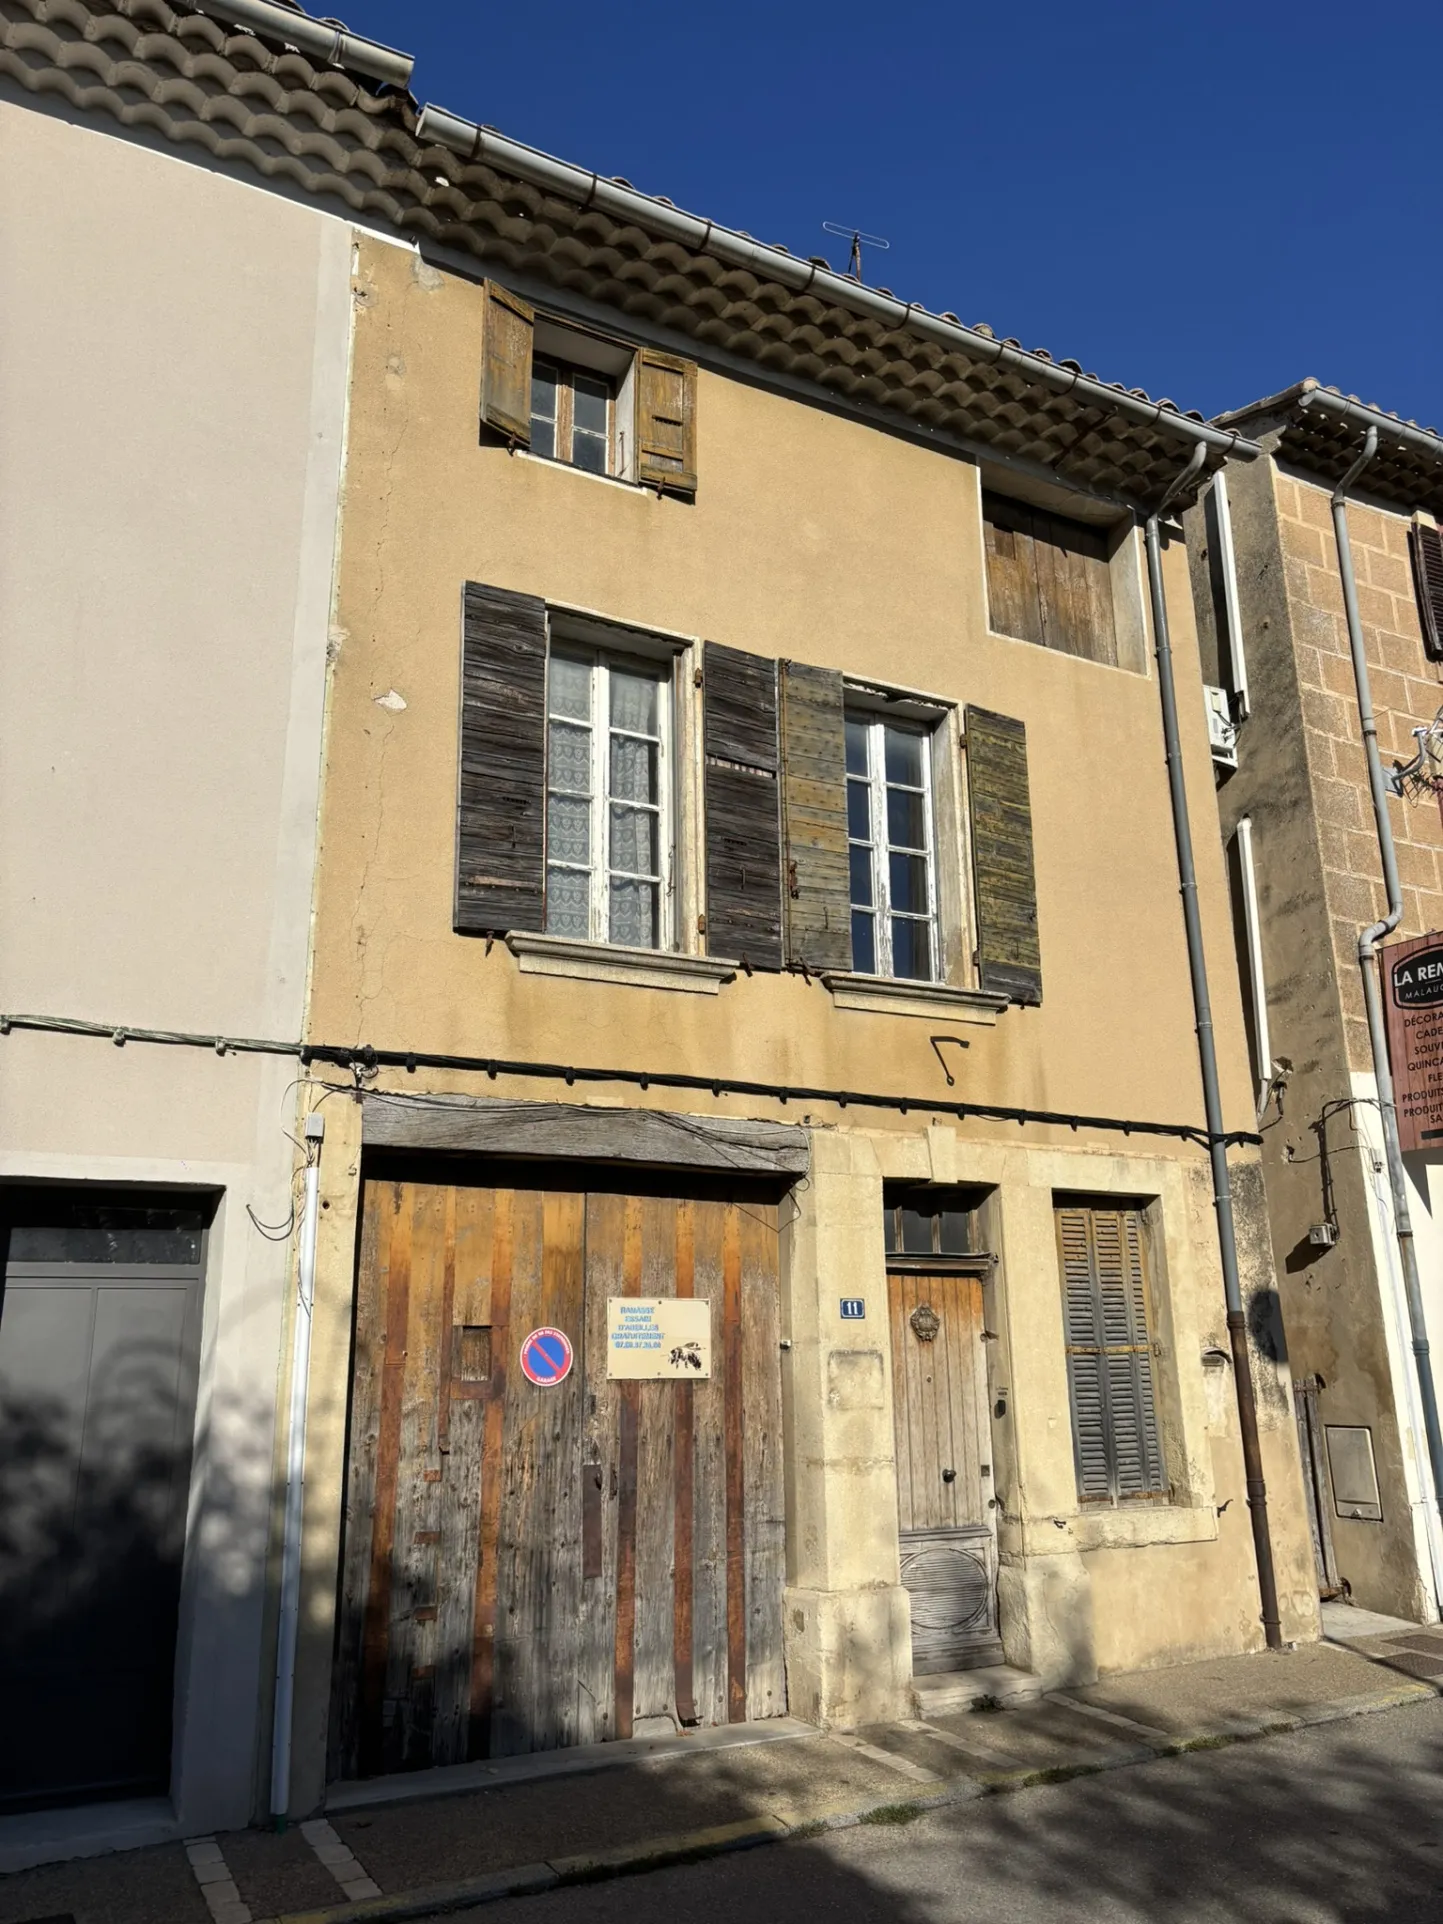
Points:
[(1207, 201)]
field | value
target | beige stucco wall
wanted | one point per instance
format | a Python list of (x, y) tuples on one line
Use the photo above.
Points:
[(819, 539), (173, 352)]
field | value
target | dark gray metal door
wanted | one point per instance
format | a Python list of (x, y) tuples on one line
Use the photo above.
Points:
[(98, 1336)]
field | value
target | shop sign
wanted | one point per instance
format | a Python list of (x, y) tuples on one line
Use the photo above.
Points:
[(1413, 996)]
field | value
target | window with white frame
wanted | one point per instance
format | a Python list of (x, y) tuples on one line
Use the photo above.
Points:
[(571, 416), (894, 871), (608, 818)]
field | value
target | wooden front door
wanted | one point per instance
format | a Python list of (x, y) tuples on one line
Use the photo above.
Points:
[(526, 1568), (944, 1470)]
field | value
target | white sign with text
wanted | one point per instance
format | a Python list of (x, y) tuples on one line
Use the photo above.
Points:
[(658, 1336)]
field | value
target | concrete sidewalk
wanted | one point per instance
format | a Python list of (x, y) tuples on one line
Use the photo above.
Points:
[(540, 1822)]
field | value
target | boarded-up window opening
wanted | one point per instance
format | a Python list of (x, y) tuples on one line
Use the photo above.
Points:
[(1116, 1446), (1048, 580)]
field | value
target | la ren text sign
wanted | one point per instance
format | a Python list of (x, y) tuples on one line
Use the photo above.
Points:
[(1413, 987)]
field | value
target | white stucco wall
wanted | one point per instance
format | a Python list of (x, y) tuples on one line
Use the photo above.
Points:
[(173, 364)]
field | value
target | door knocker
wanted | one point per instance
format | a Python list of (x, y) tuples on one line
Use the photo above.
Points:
[(925, 1323)]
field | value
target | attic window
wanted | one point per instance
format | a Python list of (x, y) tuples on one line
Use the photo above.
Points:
[(1049, 580)]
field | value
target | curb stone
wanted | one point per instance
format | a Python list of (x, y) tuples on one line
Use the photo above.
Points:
[(692, 1846)]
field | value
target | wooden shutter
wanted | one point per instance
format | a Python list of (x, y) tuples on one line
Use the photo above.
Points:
[(666, 422), (506, 364), (501, 795), (1426, 547), (743, 830), (817, 890), (1005, 886), (1109, 1355)]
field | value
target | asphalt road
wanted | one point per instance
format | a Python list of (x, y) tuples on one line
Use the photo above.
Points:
[(1341, 1824)]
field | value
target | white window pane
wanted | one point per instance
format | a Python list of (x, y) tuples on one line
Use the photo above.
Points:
[(634, 914), (543, 409), (856, 748), (568, 829), (570, 688), (904, 757), (633, 702), (906, 818), (589, 399), (568, 903), (861, 876), (633, 841), (633, 770), (588, 451), (570, 758), (864, 944), (908, 883), (859, 811), (911, 950)]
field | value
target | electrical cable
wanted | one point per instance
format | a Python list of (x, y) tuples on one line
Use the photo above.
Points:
[(363, 1061)]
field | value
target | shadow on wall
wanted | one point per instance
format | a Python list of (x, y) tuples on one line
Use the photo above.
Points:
[(93, 1509)]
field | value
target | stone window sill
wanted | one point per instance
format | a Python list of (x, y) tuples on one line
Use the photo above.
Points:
[(635, 968), (935, 1001)]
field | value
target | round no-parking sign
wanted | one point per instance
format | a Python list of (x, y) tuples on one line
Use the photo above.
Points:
[(546, 1357)]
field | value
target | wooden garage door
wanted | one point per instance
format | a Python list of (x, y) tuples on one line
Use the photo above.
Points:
[(527, 1568)]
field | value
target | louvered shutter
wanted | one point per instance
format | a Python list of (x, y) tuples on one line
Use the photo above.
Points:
[(1005, 885), (1084, 1358), (510, 327), (1109, 1356), (743, 829), (1426, 547), (666, 422), (816, 881), (501, 794)]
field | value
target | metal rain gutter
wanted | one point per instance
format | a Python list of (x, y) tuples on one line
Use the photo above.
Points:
[(322, 40), (1403, 433), (1368, 962), (1237, 1321), (476, 143)]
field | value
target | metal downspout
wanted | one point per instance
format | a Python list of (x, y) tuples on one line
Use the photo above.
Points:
[(1212, 1099), (288, 1629), (1372, 990)]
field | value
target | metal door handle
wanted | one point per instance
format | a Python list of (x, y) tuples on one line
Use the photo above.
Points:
[(949, 1476)]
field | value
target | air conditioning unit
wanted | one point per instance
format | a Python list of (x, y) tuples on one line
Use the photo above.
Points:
[(1222, 729)]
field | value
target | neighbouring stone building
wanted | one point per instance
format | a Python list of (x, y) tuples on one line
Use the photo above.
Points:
[(1307, 875)]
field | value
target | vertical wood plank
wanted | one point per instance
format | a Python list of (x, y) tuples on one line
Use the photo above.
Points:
[(766, 1684), (472, 1212), (515, 1686), (898, 1312), (628, 1442), (596, 1663), (410, 1664), (376, 1632), (683, 1614), (654, 1668), (367, 1370), (709, 1493), (735, 1469), (484, 1621)]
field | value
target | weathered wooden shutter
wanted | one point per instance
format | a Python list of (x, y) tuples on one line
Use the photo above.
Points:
[(501, 795), (743, 830), (506, 364), (666, 422), (1008, 957), (816, 892), (1426, 546), (1109, 1355)]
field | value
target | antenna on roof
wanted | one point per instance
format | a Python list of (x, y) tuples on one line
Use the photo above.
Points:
[(859, 240)]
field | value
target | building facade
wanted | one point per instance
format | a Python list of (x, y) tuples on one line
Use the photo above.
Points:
[(173, 353), (726, 785), (1308, 879)]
